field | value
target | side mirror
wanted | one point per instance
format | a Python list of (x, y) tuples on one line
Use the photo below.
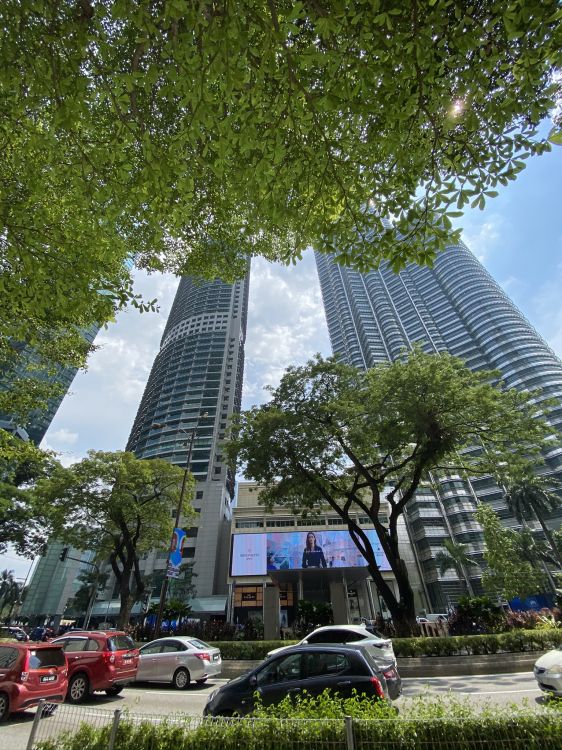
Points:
[(253, 681)]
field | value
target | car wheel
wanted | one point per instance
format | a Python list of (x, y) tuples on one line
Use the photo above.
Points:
[(49, 709), (181, 679), (115, 690), (4, 706), (78, 688), (202, 682)]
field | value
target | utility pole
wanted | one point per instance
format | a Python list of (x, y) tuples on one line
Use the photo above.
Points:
[(164, 589)]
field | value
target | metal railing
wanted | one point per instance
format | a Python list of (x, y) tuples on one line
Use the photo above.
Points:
[(117, 729)]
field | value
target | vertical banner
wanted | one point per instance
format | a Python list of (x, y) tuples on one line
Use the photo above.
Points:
[(175, 555)]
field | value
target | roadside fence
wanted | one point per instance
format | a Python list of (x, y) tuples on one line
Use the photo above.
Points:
[(84, 728)]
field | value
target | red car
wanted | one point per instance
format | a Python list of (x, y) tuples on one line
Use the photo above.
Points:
[(30, 672), (98, 660)]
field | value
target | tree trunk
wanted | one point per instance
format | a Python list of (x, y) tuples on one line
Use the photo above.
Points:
[(403, 610), (126, 599)]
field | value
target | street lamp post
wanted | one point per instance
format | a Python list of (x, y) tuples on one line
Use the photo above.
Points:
[(164, 589)]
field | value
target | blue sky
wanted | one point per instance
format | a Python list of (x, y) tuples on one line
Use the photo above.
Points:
[(518, 238)]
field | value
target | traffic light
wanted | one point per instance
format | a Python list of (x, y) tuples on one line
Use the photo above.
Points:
[(63, 554)]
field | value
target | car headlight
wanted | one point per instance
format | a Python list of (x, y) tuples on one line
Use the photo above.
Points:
[(555, 671), (212, 695)]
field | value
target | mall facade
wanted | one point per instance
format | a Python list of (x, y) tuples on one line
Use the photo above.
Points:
[(269, 570)]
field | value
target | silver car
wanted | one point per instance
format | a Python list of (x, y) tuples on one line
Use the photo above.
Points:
[(179, 660), (356, 635), (548, 672)]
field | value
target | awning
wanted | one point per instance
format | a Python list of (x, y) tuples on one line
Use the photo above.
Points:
[(349, 575), (113, 607), (208, 605)]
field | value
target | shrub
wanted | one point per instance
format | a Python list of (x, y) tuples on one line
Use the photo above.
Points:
[(248, 649), (327, 705), (476, 614), (516, 641), (444, 724)]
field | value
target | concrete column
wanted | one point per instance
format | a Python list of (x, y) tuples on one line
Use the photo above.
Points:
[(271, 613), (338, 597), (369, 592), (300, 588), (230, 604)]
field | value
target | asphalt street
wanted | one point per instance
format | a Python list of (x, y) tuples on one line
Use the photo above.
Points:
[(502, 690)]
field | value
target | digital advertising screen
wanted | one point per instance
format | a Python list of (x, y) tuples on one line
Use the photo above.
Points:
[(257, 554)]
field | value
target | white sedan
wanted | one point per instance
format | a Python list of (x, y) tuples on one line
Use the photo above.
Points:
[(380, 648), (178, 660), (548, 671)]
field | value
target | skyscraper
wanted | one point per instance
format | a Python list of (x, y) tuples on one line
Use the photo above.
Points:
[(25, 366), (196, 381), (456, 306)]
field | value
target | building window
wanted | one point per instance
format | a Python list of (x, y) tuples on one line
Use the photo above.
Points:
[(249, 524)]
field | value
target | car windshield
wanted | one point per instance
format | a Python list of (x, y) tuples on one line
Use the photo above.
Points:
[(45, 658)]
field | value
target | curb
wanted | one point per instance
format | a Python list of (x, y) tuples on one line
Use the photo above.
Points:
[(428, 666)]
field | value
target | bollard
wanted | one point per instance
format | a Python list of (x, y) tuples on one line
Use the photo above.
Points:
[(114, 726), (349, 738), (35, 725)]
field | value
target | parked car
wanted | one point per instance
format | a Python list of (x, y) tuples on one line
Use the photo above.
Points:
[(30, 672), (548, 671), (312, 668), (380, 647), (98, 660), (432, 617), (178, 660), (12, 631)]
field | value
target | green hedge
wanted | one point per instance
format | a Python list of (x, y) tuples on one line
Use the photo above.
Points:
[(472, 732), (515, 641)]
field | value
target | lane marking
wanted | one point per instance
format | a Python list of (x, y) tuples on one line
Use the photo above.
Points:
[(529, 673), (500, 692)]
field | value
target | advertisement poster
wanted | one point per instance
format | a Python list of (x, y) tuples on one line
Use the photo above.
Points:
[(256, 554), (175, 556)]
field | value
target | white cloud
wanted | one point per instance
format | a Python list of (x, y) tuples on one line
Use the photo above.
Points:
[(286, 326), (482, 233), (102, 401), (286, 323), (63, 437), (548, 309)]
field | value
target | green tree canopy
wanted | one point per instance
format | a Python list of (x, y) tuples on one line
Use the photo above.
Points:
[(514, 562), (455, 557), (353, 440), (21, 524), (188, 136), (532, 495), (116, 504)]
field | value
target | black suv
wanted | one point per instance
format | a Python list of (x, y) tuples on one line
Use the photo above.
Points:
[(312, 668)]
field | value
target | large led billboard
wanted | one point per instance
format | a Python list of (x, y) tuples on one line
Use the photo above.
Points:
[(256, 554)]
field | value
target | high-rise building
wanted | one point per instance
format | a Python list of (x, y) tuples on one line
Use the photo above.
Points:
[(24, 366), (196, 382), (456, 306)]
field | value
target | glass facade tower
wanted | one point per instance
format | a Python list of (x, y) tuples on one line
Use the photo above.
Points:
[(39, 420), (196, 380), (456, 306)]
